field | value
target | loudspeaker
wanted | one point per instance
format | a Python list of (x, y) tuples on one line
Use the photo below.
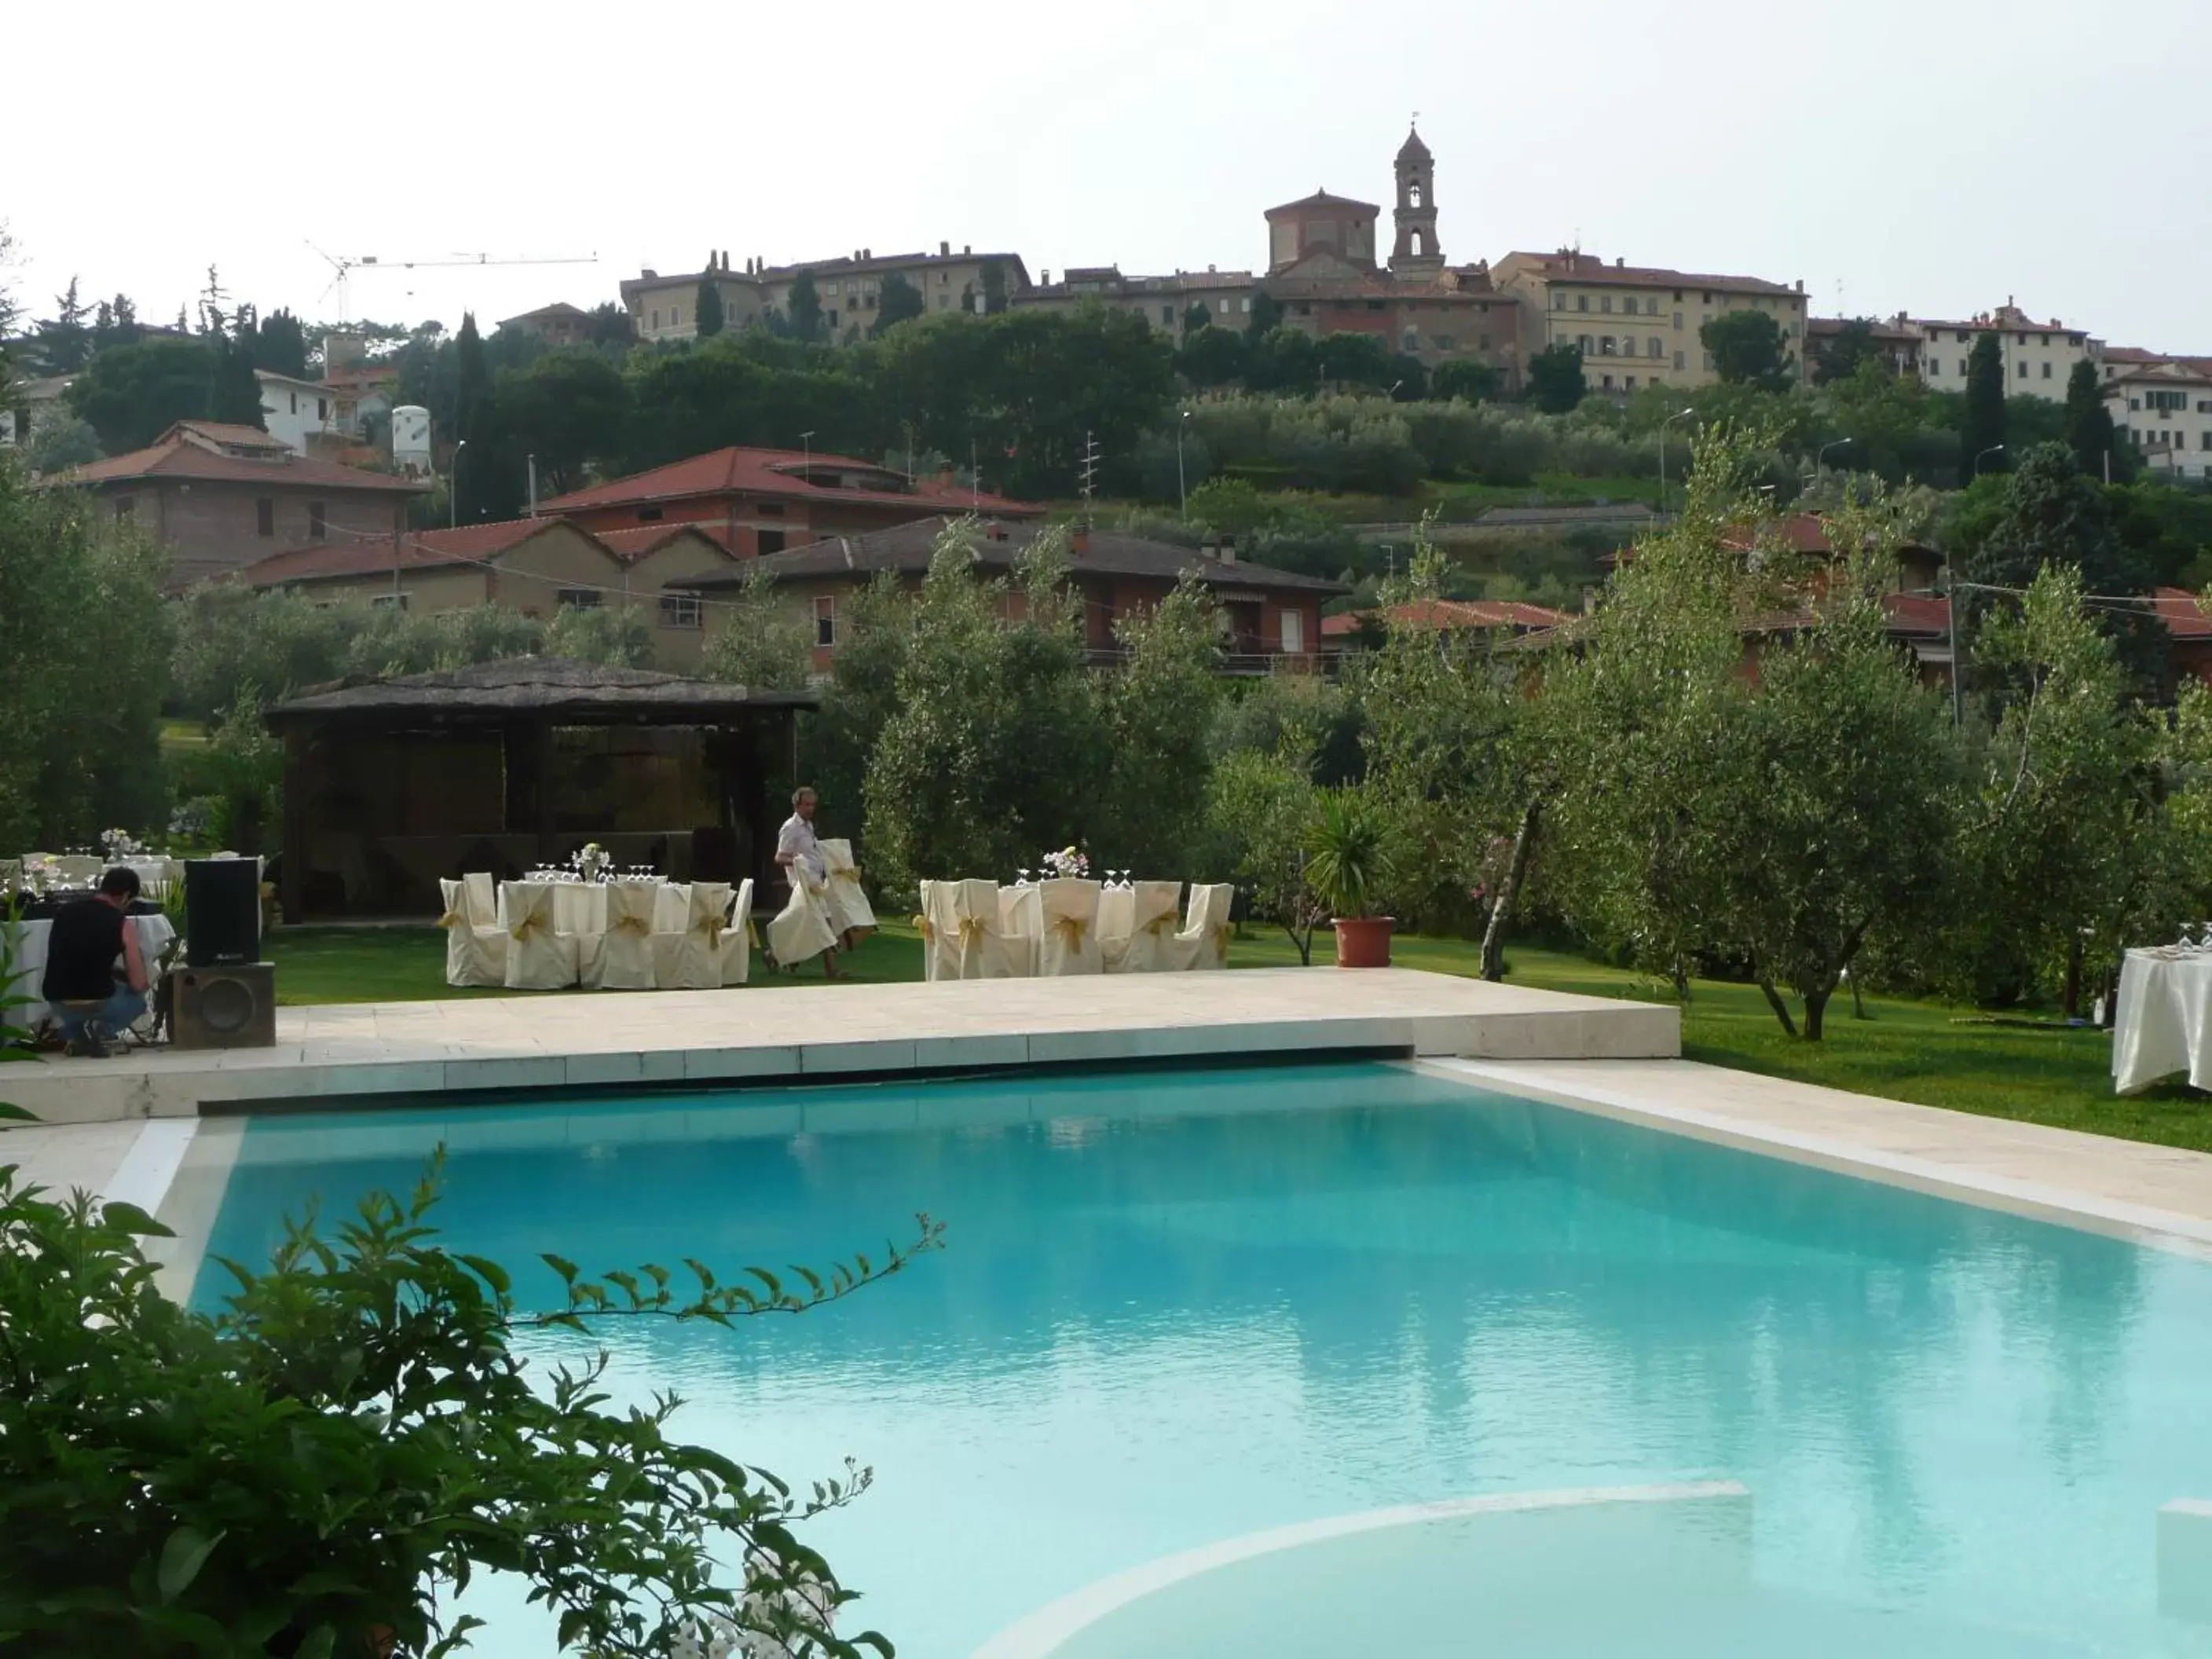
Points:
[(224, 1007), (222, 912)]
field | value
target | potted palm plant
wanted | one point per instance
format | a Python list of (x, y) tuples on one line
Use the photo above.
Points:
[(1347, 866)]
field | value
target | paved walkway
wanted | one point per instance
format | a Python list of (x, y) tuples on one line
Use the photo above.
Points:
[(2156, 1194)]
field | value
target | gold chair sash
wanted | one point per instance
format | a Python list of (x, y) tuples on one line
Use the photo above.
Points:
[(636, 926), (535, 922), (923, 926), (972, 930), (852, 875), (452, 919), (1071, 930), (712, 926), (1159, 924), (1221, 931), (752, 934)]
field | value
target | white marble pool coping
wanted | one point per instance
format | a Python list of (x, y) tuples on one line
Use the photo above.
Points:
[(2149, 1194)]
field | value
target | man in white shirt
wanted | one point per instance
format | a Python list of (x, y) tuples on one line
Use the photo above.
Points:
[(795, 844)]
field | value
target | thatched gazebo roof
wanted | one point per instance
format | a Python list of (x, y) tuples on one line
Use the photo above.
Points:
[(549, 687)]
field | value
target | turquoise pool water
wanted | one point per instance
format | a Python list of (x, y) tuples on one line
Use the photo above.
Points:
[(1179, 1307)]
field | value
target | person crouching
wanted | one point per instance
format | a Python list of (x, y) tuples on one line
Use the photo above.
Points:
[(81, 985)]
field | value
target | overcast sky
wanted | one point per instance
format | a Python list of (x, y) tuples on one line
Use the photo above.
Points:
[(1934, 156)]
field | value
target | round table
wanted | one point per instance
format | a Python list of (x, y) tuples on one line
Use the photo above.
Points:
[(2163, 1024)]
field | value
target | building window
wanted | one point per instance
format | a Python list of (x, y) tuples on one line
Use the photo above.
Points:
[(296, 402), (1411, 340), (1584, 344), (388, 601), (2023, 371), (648, 515), (1294, 632), (1559, 299), (1443, 343), (829, 290), (1247, 304), (577, 599), (1605, 346), (1222, 306), (317, 521), (825, 621), (1709, 362), (1482, 342), (1962, 337), (1605, 302), (1167, 315), (1679, 361), (2205, 440), (770, 541), (125, 506), (679, 610), (1655, 348), (656, 316), (322, 408), (1607, 383), (1630, 383), (264, 516), (1581, 302)]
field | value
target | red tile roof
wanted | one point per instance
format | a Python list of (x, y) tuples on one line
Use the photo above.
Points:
[(2178, 609), (204, 451), (641, 541), (1916, 613), (423, 550), (776, 473), (1569, 267), (1449, 613)]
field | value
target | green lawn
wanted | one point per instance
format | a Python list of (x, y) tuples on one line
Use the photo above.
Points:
[(1915, 1051)]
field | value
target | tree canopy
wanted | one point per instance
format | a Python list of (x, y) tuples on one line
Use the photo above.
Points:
[(1749, 347)]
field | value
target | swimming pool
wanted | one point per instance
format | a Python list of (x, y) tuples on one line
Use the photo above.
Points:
[(1179, 1308)]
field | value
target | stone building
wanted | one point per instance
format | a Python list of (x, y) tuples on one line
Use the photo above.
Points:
[(222, 497), (850, 289)]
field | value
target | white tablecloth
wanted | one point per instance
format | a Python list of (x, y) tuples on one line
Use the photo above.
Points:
[(2164, 1021), (154, 934)]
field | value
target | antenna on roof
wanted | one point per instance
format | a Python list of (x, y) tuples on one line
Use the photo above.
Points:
[(1090, 473)]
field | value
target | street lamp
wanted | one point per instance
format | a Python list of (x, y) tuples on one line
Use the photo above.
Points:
[(1183, 493), (1975, 472), (1663, 425), (807, 441), (453, 489), (1822, 453)]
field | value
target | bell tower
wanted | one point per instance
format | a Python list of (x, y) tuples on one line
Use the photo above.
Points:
[(1416, 253)]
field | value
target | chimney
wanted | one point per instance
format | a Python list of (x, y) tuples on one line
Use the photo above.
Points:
[(944, 250), (867, 253), (647, 274), (1619, 262), (1228, 548), (1081, 543), (945, 478), (967, 247), (1589, 601)]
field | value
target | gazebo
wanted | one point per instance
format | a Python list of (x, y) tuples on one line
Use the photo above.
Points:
[(390, 784)]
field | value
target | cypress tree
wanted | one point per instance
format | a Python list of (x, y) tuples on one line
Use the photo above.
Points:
[(2088, 427), (1983, 428), (710, 302)]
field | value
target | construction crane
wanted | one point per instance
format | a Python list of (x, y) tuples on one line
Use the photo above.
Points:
[(343, 265)]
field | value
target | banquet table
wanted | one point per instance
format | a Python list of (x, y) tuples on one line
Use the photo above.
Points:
[(154, 932), (2164, 1021)]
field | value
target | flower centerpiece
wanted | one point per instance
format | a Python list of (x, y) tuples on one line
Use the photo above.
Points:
[(592, 861), (1067, 863), (117, 845)]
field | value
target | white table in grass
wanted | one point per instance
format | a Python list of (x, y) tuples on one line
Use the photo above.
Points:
[(2163, 1024), (30, 937)]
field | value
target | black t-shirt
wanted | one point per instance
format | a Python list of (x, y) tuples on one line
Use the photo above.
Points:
[(80, 952)]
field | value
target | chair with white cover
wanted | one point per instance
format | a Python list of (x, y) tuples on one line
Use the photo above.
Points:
[(692, 960), (537, 958), (849, 902), (737, 937), (986, 952), (1150, 946), (1021, 918), (1203, 941), (939, 924), (482, 895), (1069, 943), (623, 960), (801, 931), (474, 955)]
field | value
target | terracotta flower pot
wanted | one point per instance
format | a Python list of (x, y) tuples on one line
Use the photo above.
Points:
[(1364, 941)]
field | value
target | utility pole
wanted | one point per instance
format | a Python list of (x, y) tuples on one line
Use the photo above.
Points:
[(1951, 616), (453, 489), (1183, 491), (533, 486)]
